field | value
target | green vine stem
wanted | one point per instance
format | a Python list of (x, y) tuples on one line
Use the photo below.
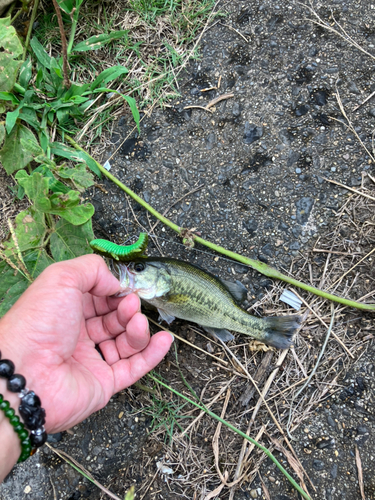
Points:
[(240, 433), (261, 267)]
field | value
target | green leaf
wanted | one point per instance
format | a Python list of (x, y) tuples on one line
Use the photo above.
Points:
[(11, 287), (10, 50), (11, 119), (32, 147), (30, 229), (79, 175), (108, 75), (25, 73), (13, 284), (67, 206), (130, 100), (35, 186), (60, 149), (67, 6), (42, 56), (98, 41), (12, 155), (70, 241), (8, 96), (54, 185), (37, 261)]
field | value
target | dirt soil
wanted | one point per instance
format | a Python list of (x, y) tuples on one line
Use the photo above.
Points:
[(258, 161)]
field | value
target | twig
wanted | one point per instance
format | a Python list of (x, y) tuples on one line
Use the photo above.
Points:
[(360, 472), (234, 29), (321, 250), (79, 468), (351, 269), (263, 400), (364, 102), (324, 24), (208, 405), (188, 343), (255, 264), (349, 189), (63, 44), (198, 107), (237, 431), (218, 99), (241, 461), (296, 394), (324, 323), (350, 126)]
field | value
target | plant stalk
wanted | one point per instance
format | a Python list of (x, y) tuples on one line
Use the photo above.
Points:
[(240, 433), (30, 29), (63, 44), (261, 267)]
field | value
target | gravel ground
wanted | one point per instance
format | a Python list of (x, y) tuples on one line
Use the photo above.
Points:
[(260, 160)]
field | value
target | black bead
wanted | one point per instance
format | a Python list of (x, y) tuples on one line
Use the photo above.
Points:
[(31, 400), (16, 383), (33, 417), (37, 440), (6, 368)]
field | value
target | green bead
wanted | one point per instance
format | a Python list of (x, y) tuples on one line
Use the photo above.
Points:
[(4, 405), (23, 434), (23, 457), (28, 449), (14, 420), (9, 413), (1, 398), (19, 427)]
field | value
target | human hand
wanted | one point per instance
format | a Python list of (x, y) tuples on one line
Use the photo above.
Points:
[(51, 332)]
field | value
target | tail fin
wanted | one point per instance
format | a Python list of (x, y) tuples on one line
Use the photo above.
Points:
[(280, 330)]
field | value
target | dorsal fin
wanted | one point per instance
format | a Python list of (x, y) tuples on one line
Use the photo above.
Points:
[(237, 290)]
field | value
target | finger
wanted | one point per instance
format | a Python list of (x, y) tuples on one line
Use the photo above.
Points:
[(101, 328), (128, 371), (88, 273), (136, 338), (109, 352)]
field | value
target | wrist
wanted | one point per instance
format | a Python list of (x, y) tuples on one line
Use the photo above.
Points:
[(10, 449)]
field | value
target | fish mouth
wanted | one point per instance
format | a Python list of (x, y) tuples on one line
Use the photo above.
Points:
[(128, 283)]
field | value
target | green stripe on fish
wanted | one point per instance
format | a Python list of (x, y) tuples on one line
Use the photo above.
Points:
[(181, 290)]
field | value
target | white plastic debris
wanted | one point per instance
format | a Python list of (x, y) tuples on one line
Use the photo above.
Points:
[(163, 469), (291, 299), (107, 165)]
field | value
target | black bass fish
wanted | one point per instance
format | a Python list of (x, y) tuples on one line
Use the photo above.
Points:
[(181, 290)]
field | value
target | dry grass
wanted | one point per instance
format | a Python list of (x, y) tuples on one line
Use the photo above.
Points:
[(204, 458)]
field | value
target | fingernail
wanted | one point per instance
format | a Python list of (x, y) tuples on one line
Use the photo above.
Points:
[(171, 336)]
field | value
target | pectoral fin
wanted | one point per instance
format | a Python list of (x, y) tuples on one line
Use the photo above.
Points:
[(219, 333), (168, 318)]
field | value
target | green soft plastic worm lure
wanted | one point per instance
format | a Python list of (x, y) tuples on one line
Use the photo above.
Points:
[(119, 252)]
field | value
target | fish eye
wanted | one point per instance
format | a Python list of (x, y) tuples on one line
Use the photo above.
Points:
[(139, 267)]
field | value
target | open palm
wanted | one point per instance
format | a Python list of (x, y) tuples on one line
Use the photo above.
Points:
[(52, 330)]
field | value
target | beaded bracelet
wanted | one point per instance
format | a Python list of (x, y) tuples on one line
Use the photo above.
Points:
[(18, 427), (33, 415)]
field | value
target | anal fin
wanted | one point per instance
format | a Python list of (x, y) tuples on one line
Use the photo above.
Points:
[(219, 333), (168, 318)]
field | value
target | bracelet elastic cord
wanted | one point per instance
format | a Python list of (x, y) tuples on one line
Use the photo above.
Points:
[(18, 427)]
